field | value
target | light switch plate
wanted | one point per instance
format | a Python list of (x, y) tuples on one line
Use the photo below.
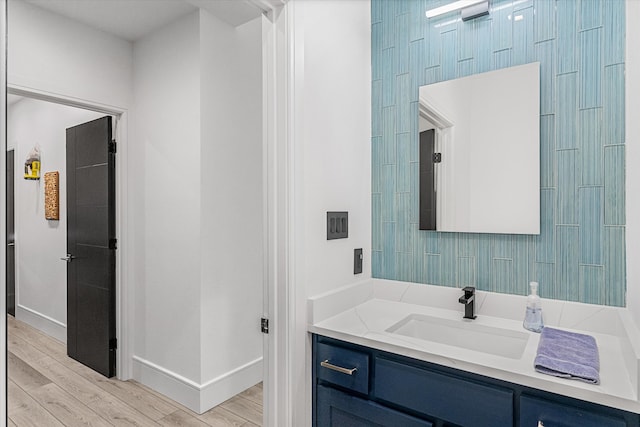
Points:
[(337, 225)]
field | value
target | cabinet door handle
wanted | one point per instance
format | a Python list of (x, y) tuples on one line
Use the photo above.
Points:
[(340, 369)]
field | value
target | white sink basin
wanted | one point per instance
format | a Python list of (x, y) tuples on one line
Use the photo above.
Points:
[(464, 334)]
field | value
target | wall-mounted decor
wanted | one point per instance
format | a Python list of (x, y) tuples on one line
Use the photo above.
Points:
[(32, 164), (52, 195)]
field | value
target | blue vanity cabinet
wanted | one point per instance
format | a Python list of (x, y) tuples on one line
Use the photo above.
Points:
[(445, 397), (357, 386), (536, 412), (338, 409)]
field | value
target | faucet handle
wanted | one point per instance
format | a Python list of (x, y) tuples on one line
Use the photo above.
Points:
[(469, 290)]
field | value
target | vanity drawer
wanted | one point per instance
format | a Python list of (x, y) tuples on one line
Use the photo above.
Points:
[(343, 367), (442, 396), (536, 412)]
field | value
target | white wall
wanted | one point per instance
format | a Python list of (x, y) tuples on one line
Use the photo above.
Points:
[(335, 139), (332, 163), (231, 201), (41, 277), (198, 215), (55, 54), (633, 159), (165, 158)]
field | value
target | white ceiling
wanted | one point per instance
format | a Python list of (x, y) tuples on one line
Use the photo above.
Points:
[(133, 19)]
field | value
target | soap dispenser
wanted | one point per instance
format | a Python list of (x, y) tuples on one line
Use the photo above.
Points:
[(533, 316)]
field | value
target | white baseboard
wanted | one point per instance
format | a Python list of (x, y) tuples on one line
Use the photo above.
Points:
[(42, 322), (197, 397), (217, 390)]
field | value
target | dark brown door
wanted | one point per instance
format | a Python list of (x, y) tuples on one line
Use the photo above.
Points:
[(11, 249), (91, 337)]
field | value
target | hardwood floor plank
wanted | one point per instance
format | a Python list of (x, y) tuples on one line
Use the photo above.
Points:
[(101, 402), (17, 398), (120, 414), (130, 393), (23, 350), (220, 417), (161, 396), (67, 409), (24, 411), (181, 419), (244, 408), (46, 344), (69, 381), (148, 404), (36, 417), (253, 393), (48, 388), (23, 374)]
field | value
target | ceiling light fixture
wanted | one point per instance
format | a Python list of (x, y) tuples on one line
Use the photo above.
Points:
[(470, 9)]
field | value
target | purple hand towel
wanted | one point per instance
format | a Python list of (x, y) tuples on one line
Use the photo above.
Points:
[(568, 355)]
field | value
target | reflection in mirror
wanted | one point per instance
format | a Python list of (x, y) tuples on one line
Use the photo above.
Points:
[(480, 153)]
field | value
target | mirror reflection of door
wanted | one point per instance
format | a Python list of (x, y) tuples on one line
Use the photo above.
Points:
[(428, 200)]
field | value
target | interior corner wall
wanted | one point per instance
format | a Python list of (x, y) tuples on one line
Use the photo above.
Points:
[(580, 252), (41, 278), (165, 204), (231, 208), (51, 53)]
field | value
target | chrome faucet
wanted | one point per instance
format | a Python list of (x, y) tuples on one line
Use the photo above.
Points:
[(469, 300)]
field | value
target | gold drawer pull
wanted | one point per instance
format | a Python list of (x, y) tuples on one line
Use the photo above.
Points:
[(340, 369)]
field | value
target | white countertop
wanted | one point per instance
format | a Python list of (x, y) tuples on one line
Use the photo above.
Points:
[(362, 313)]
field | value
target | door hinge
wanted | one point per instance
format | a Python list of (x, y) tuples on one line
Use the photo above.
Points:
[(264, 325), (113, 344), (437, 157), (113, 243), (112, 146)]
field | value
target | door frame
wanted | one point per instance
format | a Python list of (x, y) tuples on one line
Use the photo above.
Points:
[(3, 206), (124, 293)]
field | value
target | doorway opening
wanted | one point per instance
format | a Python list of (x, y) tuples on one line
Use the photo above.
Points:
[(44, 124)]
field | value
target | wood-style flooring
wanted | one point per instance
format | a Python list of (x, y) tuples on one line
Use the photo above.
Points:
[(47, 388)]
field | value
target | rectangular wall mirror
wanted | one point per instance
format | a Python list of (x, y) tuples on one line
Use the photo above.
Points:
[(480, 153)]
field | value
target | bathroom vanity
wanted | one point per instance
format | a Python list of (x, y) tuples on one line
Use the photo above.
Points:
[(385, 353), (361, 386)]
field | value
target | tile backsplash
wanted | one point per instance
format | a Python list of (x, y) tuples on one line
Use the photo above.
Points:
[(580, 44)]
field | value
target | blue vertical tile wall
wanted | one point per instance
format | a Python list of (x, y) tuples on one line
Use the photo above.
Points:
[(580, 252)]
